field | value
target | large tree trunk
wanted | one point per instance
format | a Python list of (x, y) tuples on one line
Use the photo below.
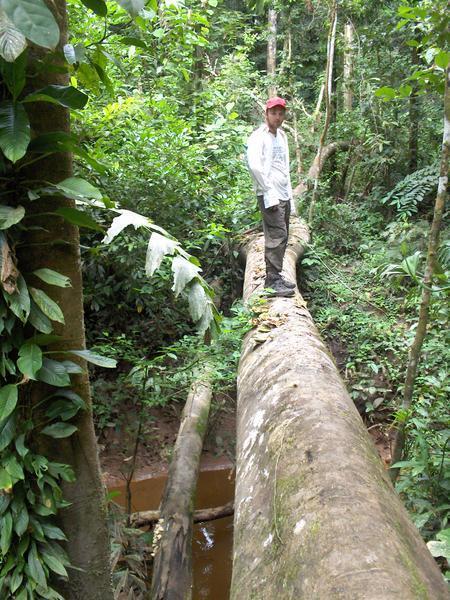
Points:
[(172, 567), (54, 244), (316, 516)]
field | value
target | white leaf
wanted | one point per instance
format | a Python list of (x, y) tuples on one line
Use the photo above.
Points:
[(12, 42), (198, 301), (183, 272), (127, 217), (158, 247), (207, 317)]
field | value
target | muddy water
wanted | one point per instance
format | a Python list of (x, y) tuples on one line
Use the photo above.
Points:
[(212, 541)]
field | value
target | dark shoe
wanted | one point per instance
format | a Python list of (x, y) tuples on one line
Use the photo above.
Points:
[(271, 279), (288, 284), (279, 289)]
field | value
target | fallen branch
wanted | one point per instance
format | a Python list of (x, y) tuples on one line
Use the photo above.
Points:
[(150, 517), (316, 516), (172, 568)]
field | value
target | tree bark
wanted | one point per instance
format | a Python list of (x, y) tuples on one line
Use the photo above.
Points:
[(172, 568), (272, 51), (54, 244), (348, 66), (318, 163), (433, 243), (316, 516), (149, 517)]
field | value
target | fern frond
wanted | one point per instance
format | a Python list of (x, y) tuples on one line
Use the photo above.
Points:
[(410, 191)]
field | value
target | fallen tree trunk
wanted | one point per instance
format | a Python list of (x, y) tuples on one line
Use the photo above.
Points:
[(203, 515), (316, 516), (172, 567), (322, 155)]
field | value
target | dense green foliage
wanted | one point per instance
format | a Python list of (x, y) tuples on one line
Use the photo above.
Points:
[(174, 89)]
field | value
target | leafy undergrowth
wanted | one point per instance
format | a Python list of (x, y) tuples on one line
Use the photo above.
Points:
[(361, 278), (144, 401)]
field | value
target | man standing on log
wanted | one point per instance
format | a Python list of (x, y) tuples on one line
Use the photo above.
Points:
[(268, 162)]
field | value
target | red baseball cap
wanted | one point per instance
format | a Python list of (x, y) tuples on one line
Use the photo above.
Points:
[(276, 101)]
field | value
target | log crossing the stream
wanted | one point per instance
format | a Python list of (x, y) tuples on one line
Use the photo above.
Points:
[(316, 516)]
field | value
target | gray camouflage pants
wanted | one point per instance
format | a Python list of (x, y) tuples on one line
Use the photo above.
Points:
[(276, 232)]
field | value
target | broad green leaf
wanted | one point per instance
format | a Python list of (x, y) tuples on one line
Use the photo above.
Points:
[(404, 91), (19, 443), (64, 95), (132, 6), (14, 130), (52, 532), (6, 533), (30, 360), (39, 320), (19, 302), (60, 470), (16, 579), (158, 247), (21, 521), (183, 272), (47, 305), (53, 373), (78, 218), (5, 480), (35, 567), (65, 405), (126, 218), (7, 431), (62, 409), (77, 187), (72, 367), (133, 41), (95, 359), (442, 59), (12, 42), (34, 20), (53, 563), (10, 564), (42, 339), (8, 400), (14, 468), (53, 277), (10, 216), (97, 6), (59, 430), (88, 77), (387, 93), (4, 502)]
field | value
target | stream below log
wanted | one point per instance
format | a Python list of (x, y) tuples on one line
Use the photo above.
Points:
[(212, 541)]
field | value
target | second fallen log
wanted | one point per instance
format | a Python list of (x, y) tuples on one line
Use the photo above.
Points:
[(172, 569)]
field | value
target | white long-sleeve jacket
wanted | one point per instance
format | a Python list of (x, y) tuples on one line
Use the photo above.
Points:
[(259, 159)]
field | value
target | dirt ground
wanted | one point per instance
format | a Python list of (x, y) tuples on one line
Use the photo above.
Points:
[(159, 431)]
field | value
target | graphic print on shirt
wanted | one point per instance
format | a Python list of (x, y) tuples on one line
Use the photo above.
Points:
[(279, 168)]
